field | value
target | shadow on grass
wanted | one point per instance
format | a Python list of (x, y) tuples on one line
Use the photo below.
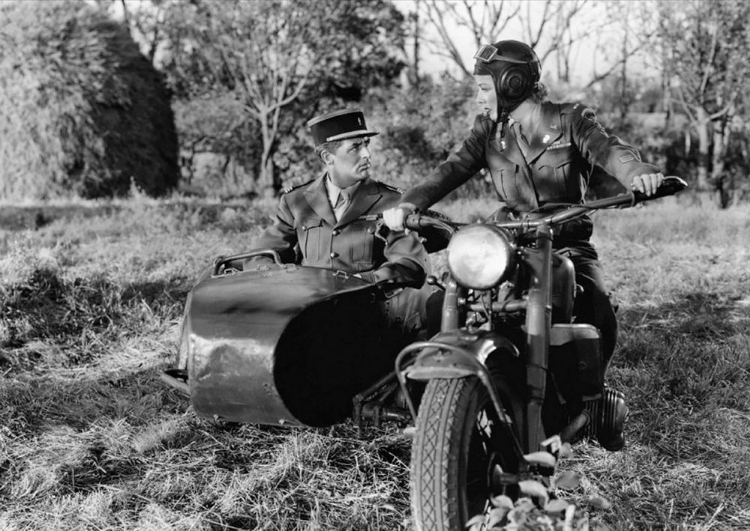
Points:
[(46, 312), (200, 213), (686, 364), (694, 321)]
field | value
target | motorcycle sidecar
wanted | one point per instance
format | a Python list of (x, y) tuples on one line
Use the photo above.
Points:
[(287, 345)]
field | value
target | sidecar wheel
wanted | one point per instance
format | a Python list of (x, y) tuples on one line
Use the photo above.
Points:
[(458, 442)]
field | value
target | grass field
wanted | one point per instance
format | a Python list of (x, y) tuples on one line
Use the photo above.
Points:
[(90, 439)]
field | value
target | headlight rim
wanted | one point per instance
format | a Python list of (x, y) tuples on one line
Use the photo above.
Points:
[(506, 247)]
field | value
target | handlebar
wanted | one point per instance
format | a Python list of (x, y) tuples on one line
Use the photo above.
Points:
[(418, 222), (670, 186)]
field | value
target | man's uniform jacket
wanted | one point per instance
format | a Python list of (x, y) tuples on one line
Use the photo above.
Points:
[(306, 232), (566, 146)]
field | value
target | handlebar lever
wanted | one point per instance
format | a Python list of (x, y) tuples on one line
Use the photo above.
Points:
[(417, 222)]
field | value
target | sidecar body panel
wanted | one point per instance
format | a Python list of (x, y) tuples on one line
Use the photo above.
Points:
[(288, 345)]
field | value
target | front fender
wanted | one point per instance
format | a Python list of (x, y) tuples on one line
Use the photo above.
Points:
[(452, 354)]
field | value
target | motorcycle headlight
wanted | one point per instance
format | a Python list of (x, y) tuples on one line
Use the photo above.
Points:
[(480, 256)]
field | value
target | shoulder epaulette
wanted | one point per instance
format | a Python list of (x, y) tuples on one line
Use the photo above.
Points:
[(391, 187), (576, 108), (290, 188)]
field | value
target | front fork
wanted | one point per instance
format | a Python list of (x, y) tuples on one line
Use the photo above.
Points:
[(538, 325)]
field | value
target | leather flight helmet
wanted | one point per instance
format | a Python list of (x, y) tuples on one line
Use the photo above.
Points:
[(515, 69)]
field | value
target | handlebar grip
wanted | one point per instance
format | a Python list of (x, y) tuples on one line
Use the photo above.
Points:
[(413, 222), (669, 186)]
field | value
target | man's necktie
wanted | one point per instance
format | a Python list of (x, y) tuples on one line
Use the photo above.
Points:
[(342, 203)]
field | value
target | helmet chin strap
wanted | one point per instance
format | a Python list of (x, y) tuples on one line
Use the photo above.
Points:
[(502, 118)]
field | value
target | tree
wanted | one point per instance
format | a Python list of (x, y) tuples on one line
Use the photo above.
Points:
[(484, 20), (705, 48), (558, 25), (271, 55)]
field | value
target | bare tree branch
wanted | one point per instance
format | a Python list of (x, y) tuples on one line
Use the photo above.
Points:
[(483, 21)]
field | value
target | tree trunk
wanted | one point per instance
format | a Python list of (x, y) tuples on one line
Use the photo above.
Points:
[(417, 37), (718, 176), (702, 124), (267, 186), (624, 103), (666, 88)]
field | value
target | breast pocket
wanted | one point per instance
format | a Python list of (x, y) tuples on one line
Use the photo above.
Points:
[(362, 244), (514, 187), (553, 174), (310, 234)]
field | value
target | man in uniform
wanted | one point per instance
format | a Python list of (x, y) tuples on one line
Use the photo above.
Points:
[(330, 222)]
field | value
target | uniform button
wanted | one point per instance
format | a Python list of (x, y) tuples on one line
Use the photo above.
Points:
[(304, 227), (370, 230), (334, 255), (336, 232)]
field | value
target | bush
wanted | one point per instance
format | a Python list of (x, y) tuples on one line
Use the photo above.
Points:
[(219, 147), (82, 112), (421, 128)]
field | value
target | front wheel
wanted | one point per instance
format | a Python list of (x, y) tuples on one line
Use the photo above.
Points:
[(459, 440)]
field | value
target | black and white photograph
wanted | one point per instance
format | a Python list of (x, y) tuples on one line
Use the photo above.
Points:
[(417, 265)]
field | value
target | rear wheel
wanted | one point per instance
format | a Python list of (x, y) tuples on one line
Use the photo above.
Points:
[(459, 441)]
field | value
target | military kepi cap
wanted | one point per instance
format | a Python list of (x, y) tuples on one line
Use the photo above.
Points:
[(338, 125)]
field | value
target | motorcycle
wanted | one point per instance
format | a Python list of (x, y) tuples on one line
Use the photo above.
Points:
[(509, 374)]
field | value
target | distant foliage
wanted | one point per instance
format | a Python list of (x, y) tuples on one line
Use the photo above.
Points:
[(218, 146), (82, 112), (282, 64), (421, 128)]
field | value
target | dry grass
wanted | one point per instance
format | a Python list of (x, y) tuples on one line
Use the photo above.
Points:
[(91, 439)]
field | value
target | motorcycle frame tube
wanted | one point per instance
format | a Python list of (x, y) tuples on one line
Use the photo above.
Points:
[(538, 324), (452, 316)]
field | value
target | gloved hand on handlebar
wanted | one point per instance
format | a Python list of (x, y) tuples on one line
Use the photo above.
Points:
[(394, 217), (647, 183)]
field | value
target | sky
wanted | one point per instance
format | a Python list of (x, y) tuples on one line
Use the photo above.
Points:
[(583, 64)]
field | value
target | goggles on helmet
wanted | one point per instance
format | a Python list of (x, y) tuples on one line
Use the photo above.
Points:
[(488, 53)]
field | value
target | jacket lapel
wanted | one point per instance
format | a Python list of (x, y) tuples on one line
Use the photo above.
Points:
[(367, 194), (516, 185), (510, 148), (547, 132), (317, 197)]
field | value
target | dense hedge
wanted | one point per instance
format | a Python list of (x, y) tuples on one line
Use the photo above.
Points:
[(82, 111)]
